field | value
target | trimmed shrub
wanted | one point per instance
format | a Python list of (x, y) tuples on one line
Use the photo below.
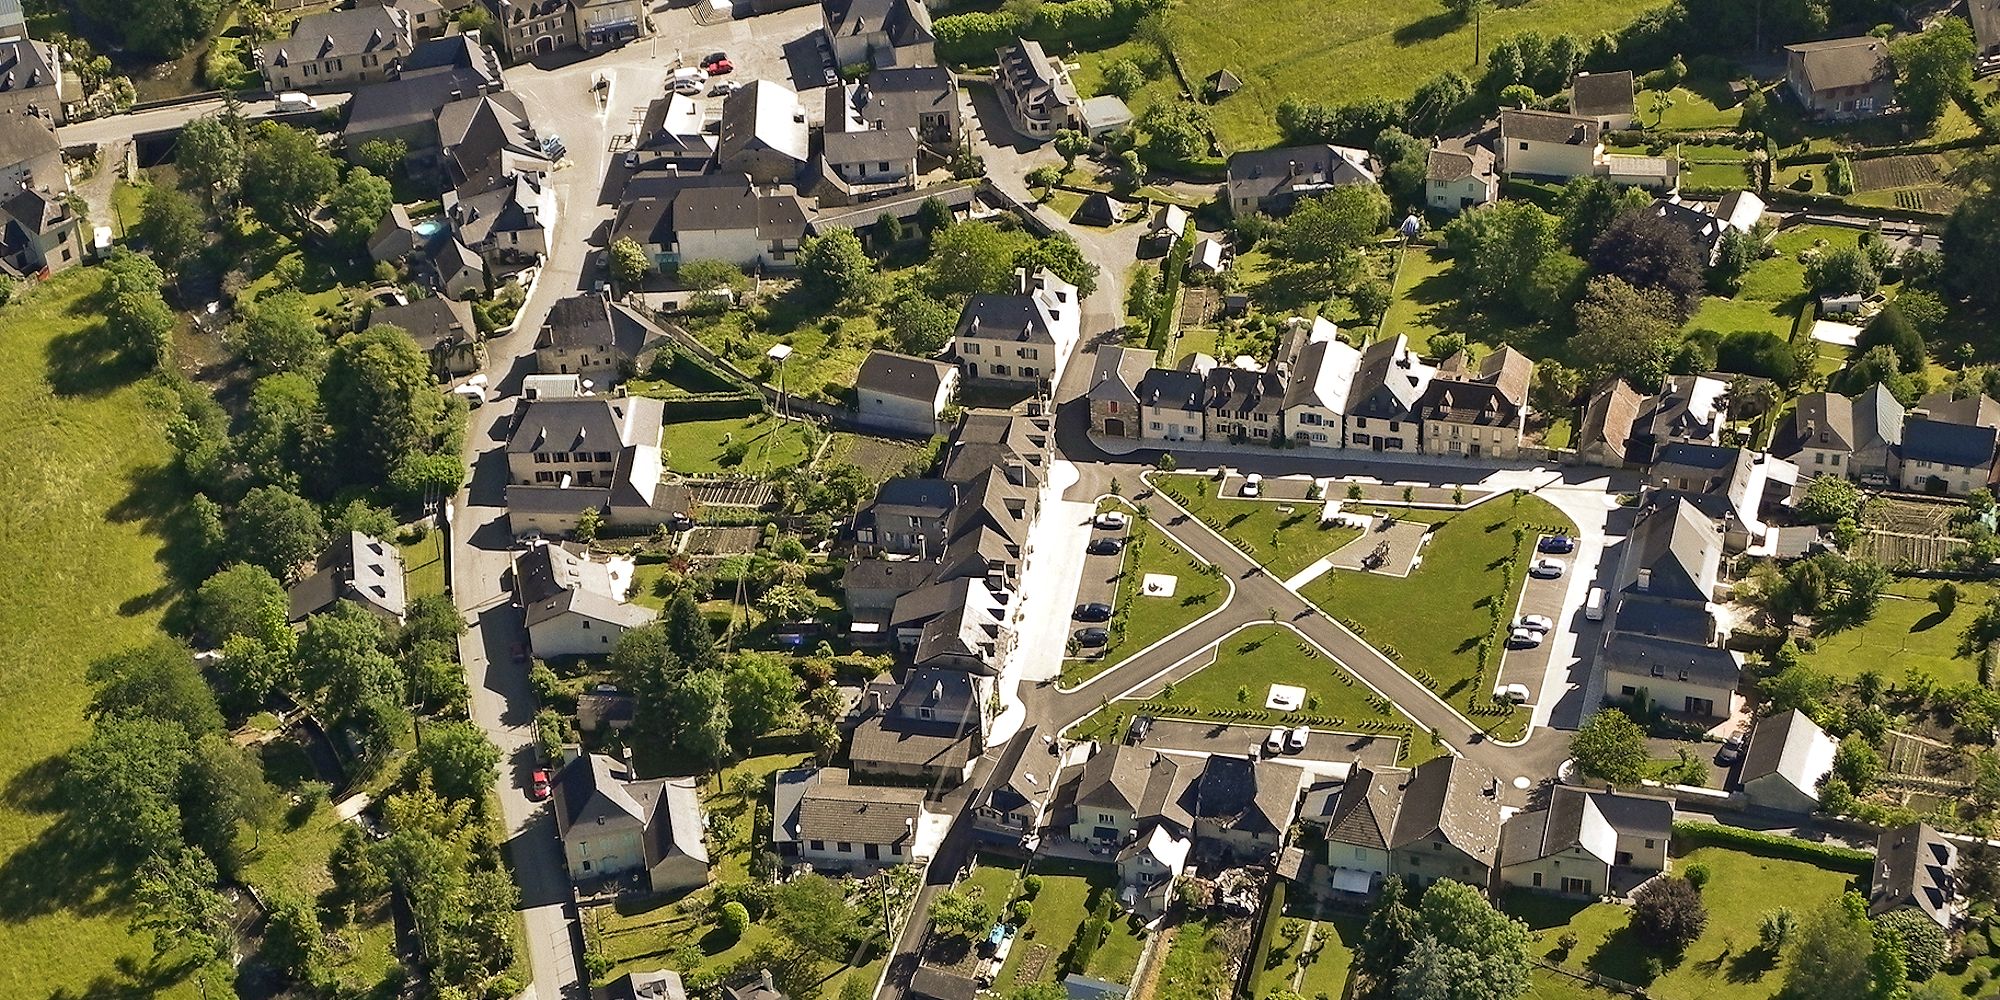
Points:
[(1690, 835)]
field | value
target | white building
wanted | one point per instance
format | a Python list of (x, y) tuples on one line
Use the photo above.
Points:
[(1316, 390), (572, 604), (1022, 338)]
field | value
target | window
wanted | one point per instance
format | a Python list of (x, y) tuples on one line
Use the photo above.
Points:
[(818, 845), (1111, 407), (968, 348), (926, 712), (999, 369), (1027, 372), (1819, 458), (1030, 354), (1524, 145), (846, 847), (586, 623), (1538, 880), (1833, 460), (1394, 426), (883, 166), (1155, 425), (1360, 422), (545, 476), (1649, 843)]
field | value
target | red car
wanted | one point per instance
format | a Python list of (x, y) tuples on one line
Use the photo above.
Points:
[(719, 67), (539, 788)]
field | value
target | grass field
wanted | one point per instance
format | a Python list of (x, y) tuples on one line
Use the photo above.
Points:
[(1252, 660), (1906, 633), (1337, 51), (1692, 108), (1284, 537), (423, 565), (1149, 619), (702, 446), (1460, 575), (1774, 289), (1198, 962), (90, 509), (1429, 300), (1725, 963), (1059, 912)]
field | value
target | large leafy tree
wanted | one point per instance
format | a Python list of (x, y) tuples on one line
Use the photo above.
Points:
[(174, 228), (209, 154), (286, 175), (1625, 331), (130, 773), (174, 897), (1830, 956), (1327, 231), (1497, 249), (1934, 69), (161, 28), (1060, 254), (285, 434), (1648, 252), (969, 259), (281, 334), (1668, 914), (157, 681), (1392, 932), (812, 911), (358, 205), (278, 530), (833, 267), (762, 692), (460, 759), (381, 402), (1468, 951), (921, 324), (1610, 747)]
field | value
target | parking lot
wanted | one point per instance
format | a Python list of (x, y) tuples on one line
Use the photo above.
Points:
[(1099, 584), (1545, 597)]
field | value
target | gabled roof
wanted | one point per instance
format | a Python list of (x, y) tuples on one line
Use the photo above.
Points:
[(1602, 95), (1454, 798), (1842, 62), (895, 374), (1548, 126), (1143, 782), (1675, 549), (1842, 423), (1364, 813), (831, 809), (1116, 374), (905, 22), (1915, 867), (1590, 820), (352, 32), (356, 567), (595, 788), (1267, 172), (25, 137), (1245, 793), (1609, 417), (1496, 396), (1791, 746), (26, 64), (1977, 409), (1172, 389), (1390, 380), (552, 580), (434, 74), (659, 984), (930, 495), (1326, 370), (1985, 16), (1955, 444), (763, 115), (1024, 316)]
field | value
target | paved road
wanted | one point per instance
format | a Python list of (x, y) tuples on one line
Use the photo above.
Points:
[(101, 130)]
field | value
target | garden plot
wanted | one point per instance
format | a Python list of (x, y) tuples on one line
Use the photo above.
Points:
[(1882, 172)]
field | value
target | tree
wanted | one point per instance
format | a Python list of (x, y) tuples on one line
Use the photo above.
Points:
[(1923, 941), (1328, 230), (970, 259), (1841, 271), (921, 325), (1122, 78), (1625, 331), (1945, 595), (1610, 747), (130, 771), (1464, 9), (1141, 296), (1828, 499), (381, 402), (1733, 257), (383, 156), (1070, 144), (157, 681), (1934, 69), (1856, 763), (357, 206), (1045, 177), (630, 264), (278, 530), (459, 758), (209, 154), (1371, 299), (1468, 951), (697, 711), (889, 226), (286, 175), (1388, 938), (225, 792), (834, 268), (734, 919), (1648, 252), (242, 600), (1059, 254), (1497, 247), (140, 322), (293, 942), (174, 229), (284, 433), (1587, 207), (935, 216), (704, 276), (1175, 130), (1667, 913), (1890, 327), (812, 911), (281, 334), (174, 897), (762, 693), (1876, 364), (161, 28), (959, 914)]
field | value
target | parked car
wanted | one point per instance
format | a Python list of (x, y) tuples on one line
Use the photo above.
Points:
[(1535, 623), (1547, 569), (1092, 637), (1112, 520), (1142, 725), (293, 100), (1523, 638), (1105, 546), (538, 786), (1253, 484), (1513, 694), (712, 58), (631, 159), (1096, 611), (1731, 752), (1559, 544), (832, 77), (719, 67), (1295, 740), (1275, 742)]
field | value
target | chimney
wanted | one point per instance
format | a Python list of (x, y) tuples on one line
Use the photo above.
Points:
[(1291, 168), (571, 752), (1645, 581), (875, 701), (764, 978)]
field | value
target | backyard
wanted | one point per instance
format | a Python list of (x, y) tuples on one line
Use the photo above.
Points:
[(1284, 537), (1725, 962), (753, 445), (95, 492), (1058, 914), (1198, 963), (1464, 570), (423, 564), (1143, 620), (1906, 633), (1333, 51)]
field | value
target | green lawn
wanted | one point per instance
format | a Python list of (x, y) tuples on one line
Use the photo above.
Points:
[(292, 860), (1140, 620), (1429, 300), (1059, 912), (1715, 176), (880, 458), (93, 512), (702, 446), (827, 346), (1433, 621), (1725, 962), (423, 564), (1906, 633), (1198, 962), (1727, 316), (1331, 957), (1691, 110), (1283, 536), (1249, 662), (1337, 51)]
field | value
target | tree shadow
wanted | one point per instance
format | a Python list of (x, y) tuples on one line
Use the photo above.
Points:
[(66, 867), (1425, 29), (1621, 957), (1930, 621), (1752, 965), (156, 500), (87, 361)]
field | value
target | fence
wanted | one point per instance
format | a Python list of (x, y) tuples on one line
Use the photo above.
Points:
[(1594, 979)]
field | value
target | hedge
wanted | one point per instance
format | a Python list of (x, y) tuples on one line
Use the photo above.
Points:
[(972, 38), (1274, 915), (711, 407), (1689, 835), (1167, 306)]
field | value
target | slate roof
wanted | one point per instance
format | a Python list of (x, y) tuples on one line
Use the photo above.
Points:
[(1018, 779), (1364, 813), (1389, 381), (1641, 655), (901, 375), (660, 984), (1602, 95), (1244, 793), (1788, 744), (1948, 443), (1172, 389), (1914, 866), (1446, 165), (1591, 820), (550, 581), (1449, 796), (1143, 782), (25, 137), (1608, 419), (831, 809), (906, 22), (1324, 375), (1240, 392), (773, 215), (26, 64), (1842, 62), (1678, 548), (1985, 15), (763, 115), (1267, 172), (1548, 126), (1004, 317), (1841, 423), (1496, 396), (356, 567), (1978, 409), (351, 32), (1116, 374), (900, 96)]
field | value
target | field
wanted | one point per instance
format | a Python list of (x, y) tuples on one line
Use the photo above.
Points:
[(91, 511), (1708, 107), (1335, 51), (1460, 576), (1147, 620), (1059, 912), (1907, 633), (1284, 537), (1249, 662), (1430, 300), (827, 350), (1774, 289), (880, 458), (703, 446), (1725, 963)]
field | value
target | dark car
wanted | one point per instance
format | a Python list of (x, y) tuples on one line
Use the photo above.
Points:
[(1096, 611), (1557, 544), (1092, 637), (712, 58), (1105, 546), (1731, 752)]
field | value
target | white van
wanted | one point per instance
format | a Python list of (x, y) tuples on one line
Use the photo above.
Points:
[(292, 100), (1593, 606)]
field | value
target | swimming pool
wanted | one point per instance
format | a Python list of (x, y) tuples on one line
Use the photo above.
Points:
[(429, 228)]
